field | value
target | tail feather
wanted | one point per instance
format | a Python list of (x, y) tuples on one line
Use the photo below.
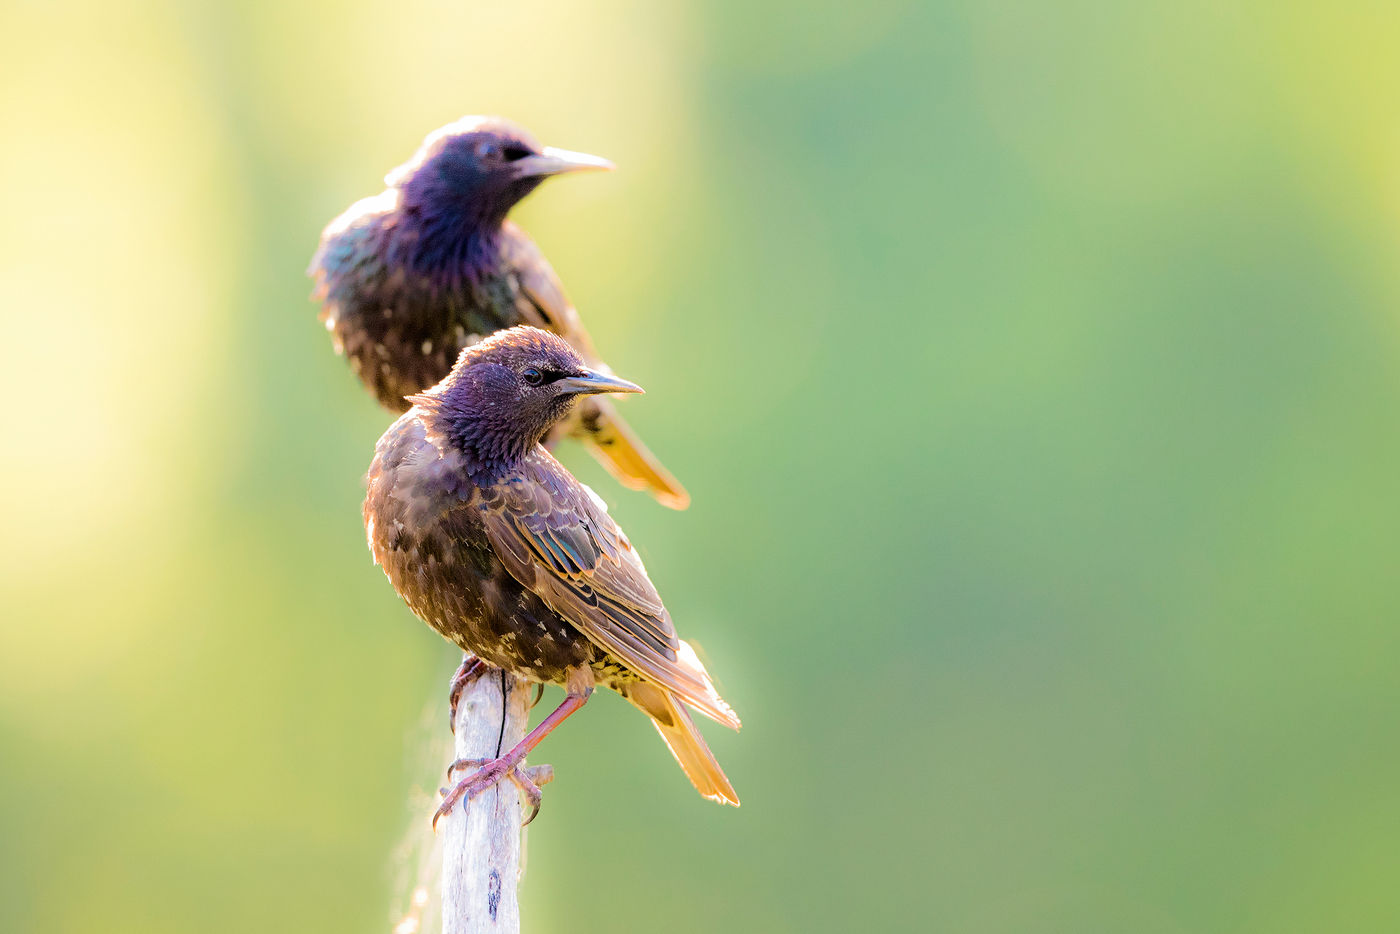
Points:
[(673, 722), (617, 448)]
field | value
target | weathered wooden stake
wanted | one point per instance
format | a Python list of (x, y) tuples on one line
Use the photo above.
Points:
[(481, 838)]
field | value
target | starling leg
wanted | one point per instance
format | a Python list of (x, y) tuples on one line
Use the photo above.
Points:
[(528, 778), (493, 771), (471, 667)]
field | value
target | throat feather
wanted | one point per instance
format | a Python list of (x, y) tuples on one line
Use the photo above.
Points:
[(449, 251)]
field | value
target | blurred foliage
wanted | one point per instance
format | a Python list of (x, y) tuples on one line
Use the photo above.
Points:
[(1034, 372)]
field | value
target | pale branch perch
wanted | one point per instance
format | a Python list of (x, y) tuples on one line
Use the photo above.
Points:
[(481, 838)]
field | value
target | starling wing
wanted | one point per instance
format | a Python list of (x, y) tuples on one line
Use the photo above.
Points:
[(557, 539)]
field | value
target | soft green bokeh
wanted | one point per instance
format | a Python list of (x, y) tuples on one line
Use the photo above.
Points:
[(1035, 369)]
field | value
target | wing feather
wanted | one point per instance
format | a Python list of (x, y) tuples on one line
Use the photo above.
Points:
[(551, 535)]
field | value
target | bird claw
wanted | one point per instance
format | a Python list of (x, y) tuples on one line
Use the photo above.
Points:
[(471, 668), (529, 784), (457, 764), (490, 772)]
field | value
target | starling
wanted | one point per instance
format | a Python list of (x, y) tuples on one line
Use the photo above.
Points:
[(495, 545), (430, 265)]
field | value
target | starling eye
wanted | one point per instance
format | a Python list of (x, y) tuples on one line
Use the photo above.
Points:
[(532, 376), (487, 149)]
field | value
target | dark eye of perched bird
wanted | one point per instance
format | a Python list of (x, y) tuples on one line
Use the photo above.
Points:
[(493, 150), (533, 376)]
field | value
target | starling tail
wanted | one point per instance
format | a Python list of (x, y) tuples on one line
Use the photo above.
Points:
[(673, 722), (617, 447)]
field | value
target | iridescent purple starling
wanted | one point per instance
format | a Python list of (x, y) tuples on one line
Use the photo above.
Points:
[(495, 545), (430, 265)]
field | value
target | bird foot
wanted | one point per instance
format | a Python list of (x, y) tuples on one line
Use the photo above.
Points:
[(470, 669), (490, 772)]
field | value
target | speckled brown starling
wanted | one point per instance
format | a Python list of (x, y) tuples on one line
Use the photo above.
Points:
[(496, 546), (430, 265)]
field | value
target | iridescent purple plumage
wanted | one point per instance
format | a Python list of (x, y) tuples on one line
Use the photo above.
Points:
[(411, 276)]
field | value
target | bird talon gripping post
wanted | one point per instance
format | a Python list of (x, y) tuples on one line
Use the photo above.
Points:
[(527, 778), (533, 797), (458, 764)]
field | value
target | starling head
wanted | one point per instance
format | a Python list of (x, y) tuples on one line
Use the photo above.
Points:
[(480, 167), (505, 393)]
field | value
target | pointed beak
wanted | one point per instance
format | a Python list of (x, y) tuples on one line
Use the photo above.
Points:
[(595, 382), (551, 161)]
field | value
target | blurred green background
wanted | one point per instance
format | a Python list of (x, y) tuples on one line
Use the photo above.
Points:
[(1035, 371)]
